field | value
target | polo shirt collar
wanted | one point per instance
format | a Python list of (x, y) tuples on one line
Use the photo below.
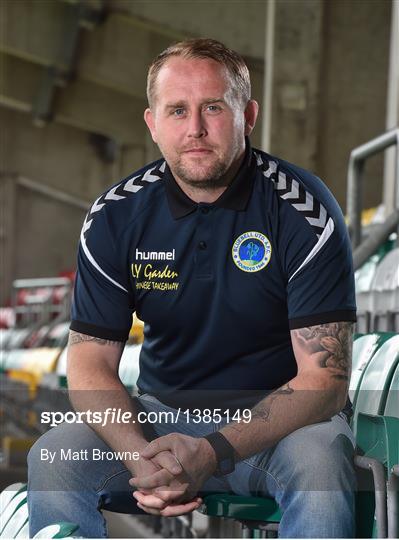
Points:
[(235, 197)]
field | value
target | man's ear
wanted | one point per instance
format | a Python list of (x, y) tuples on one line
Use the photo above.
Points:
[(150, 121), (250, 114)]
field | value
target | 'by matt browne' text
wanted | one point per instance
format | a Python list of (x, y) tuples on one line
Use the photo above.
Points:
[(94, 454)]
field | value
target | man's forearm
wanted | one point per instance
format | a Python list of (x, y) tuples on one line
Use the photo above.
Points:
[(319, 391), (94, 386), (280, 413)]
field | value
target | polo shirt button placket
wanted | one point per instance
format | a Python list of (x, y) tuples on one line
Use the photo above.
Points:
[(203, 268)]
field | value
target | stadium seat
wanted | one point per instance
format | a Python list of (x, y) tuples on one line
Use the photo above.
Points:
[(14, 519), (61, 529), (260, 513), (374, 385), (392, 412), (17, 522), (8, 527), (363, 283), (375, 437), (9, 493), (385, 293), (364, 347), (129, 366)]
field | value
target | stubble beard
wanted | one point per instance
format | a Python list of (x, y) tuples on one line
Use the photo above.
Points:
[(208, 178)]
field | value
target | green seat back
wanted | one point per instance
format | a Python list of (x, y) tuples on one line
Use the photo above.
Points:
[(24, 531), (16, 502), (17, 521), (392, 404), (376, 380), (9, 493), (364, 348), (61, 529), (242, 508)]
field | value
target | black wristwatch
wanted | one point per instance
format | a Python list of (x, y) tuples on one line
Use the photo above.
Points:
[(225, 454)]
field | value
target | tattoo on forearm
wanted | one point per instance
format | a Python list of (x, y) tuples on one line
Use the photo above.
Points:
[(332, 345), (263, 409), (76, 337)]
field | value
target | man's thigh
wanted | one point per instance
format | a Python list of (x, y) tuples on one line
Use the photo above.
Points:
[(318, 457)]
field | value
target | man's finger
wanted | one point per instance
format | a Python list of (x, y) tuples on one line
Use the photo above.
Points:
[(156, 446), (171, 494), (149, 510), (159, 478), (149, 500), (168, 461), (180, 509)]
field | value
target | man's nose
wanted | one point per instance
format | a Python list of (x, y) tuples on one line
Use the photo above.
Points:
[(196, 127)]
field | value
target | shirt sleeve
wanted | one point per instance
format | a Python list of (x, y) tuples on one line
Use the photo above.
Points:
[(318, 266), (102, 302)]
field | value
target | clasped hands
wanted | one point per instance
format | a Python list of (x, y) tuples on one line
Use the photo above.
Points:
[(170, 472)]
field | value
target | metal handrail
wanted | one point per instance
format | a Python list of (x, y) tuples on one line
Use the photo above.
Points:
[(43, 311), (355, 178), (53, 193)]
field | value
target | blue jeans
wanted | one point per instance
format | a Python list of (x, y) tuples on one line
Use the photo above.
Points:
[(310, 473)]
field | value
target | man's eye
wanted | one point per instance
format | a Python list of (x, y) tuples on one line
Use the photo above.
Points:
[(213, 108), (178, 112)]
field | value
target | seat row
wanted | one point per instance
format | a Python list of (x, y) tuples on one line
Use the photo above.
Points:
[(377, 293)]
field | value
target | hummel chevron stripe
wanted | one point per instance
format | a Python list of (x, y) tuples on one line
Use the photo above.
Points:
[(117, 193), (126, 188), (293, 192)]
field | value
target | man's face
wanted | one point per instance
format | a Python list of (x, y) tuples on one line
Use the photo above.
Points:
[(198, 122)]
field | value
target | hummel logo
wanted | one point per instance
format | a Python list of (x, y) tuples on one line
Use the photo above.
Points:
[(155, 255)]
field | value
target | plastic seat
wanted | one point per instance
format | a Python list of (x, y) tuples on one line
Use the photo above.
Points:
[(7, 514), (363, 283), (61, 529), (392, 403), (392, 414), (9, 493), (14, 519), (384, 301), (17, 521), (374, 386), (375, 444), (364, 348), (253, 512), (129, 366)]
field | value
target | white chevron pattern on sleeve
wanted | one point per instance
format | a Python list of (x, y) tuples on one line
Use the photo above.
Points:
[(321, 220), (149, 177), (117, 193), (130, 186), (112, 196), (307, 205), (294, 193)]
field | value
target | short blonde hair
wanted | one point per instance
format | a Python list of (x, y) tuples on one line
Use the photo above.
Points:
[(203, 48)]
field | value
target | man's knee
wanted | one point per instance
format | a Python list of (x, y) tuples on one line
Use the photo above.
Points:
[(50, 460), (315, 460)]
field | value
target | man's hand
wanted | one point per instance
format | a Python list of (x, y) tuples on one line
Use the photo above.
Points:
[(197, 459), (149, 502)]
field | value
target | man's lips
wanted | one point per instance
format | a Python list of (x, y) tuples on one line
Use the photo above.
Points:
[(197, 151)]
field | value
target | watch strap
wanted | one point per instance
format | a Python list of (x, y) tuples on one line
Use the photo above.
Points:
[(225, 453)]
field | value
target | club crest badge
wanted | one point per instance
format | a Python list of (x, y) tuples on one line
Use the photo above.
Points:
[(251, 251)]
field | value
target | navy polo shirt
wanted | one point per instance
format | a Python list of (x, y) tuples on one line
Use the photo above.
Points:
[(218, 286)]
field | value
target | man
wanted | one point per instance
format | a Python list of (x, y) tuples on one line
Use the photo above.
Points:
[(240, 266)]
